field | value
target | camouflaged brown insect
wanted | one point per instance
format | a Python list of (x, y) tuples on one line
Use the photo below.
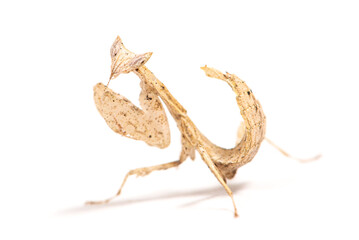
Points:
[(149, 123)]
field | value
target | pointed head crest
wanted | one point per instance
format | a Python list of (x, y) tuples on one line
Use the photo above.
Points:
[(125, 61)]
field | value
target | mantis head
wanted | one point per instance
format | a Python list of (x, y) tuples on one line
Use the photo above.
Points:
[(125, 61)]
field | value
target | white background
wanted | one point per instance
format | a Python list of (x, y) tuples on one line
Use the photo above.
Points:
[(300, 58)]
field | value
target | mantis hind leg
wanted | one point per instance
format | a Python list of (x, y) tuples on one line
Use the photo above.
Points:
[(290, 156), (216, 172), (139, 172)]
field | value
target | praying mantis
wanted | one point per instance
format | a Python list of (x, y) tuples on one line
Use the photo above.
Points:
[(149, 123)]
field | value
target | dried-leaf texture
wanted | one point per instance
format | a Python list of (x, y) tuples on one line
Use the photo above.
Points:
[(149, 123)]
